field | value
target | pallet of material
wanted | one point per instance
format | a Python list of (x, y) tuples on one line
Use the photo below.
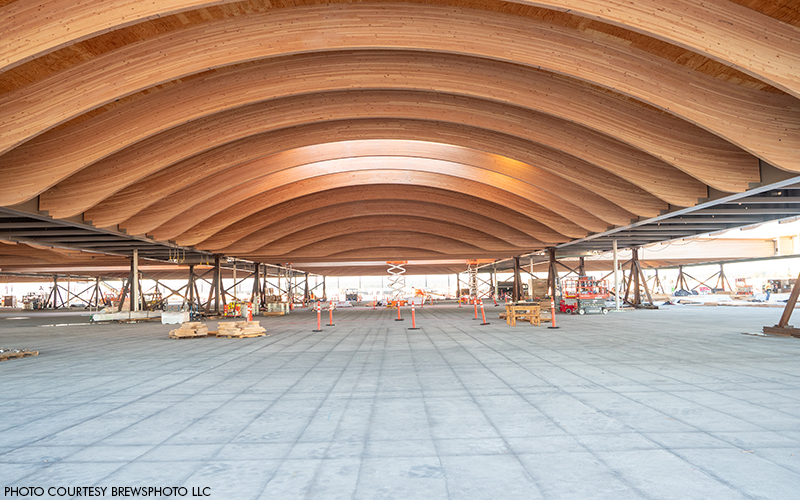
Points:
[(6, 353), (240, 329), (190, 330), (272, 313)]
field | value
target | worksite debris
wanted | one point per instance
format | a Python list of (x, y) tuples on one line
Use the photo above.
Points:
[(240, 329), (7, 353), (189, 330)]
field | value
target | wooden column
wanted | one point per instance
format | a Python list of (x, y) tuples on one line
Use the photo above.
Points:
[(496, 284), (783, 327), (135, 292), (217, 283), (616, 275), (190, 286), (517, 288), (255, 294), (552, 273)]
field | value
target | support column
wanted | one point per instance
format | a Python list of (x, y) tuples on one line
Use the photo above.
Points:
[(723, 280), (56, 293), (637, 294), (135, 281), (97, 292), (496, 284), (616, 275), (458, 288), (324, 291), (783, 327), (517, 289), (217, 283), (552, 273), (234, 281), (125, 291), (582, 267), (190, 295)]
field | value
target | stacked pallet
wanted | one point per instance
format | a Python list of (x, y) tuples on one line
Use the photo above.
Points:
[(7, 353), (240, 329), (189, 330)]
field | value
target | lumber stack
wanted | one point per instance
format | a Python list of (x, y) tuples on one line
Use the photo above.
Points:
[(7, 353), (240, 329), (190, 330)]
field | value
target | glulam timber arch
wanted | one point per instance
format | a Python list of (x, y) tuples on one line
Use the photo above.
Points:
[(248, 231), (686, 147), (401, 213), (455, 161), (191, 228), (82, 190), (461, 128), (352, 241), (303, 237), (560, 215), (765, 124), (159, 188), (37, 28)]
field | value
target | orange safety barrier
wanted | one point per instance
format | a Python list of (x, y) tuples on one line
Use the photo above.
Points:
[(413, 318), (319, 319), (552, 314), (330, 314), (483, 314)]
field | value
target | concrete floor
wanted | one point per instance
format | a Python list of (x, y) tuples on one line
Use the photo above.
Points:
[(674, 403)]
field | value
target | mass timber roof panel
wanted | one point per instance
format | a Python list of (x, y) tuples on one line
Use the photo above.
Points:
[(690, 149), (444, 139), (729, 110), (236, 127), (36, 31)]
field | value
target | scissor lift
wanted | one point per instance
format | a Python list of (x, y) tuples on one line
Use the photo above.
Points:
[(584, 294)]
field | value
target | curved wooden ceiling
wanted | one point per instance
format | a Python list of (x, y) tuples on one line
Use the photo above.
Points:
[(276, 131)]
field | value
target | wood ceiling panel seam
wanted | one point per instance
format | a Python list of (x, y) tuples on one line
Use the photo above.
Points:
[(727, 110), (673, 142)]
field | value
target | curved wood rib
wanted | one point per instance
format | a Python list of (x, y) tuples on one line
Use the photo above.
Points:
[(91, 185), (443, 245), (687, 147), (354, 195), (393, 210), (382, 253), (190, 228), (767, 125), (718, 29), (457, 162), (458, 176), (302, 238), (150, 190)]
